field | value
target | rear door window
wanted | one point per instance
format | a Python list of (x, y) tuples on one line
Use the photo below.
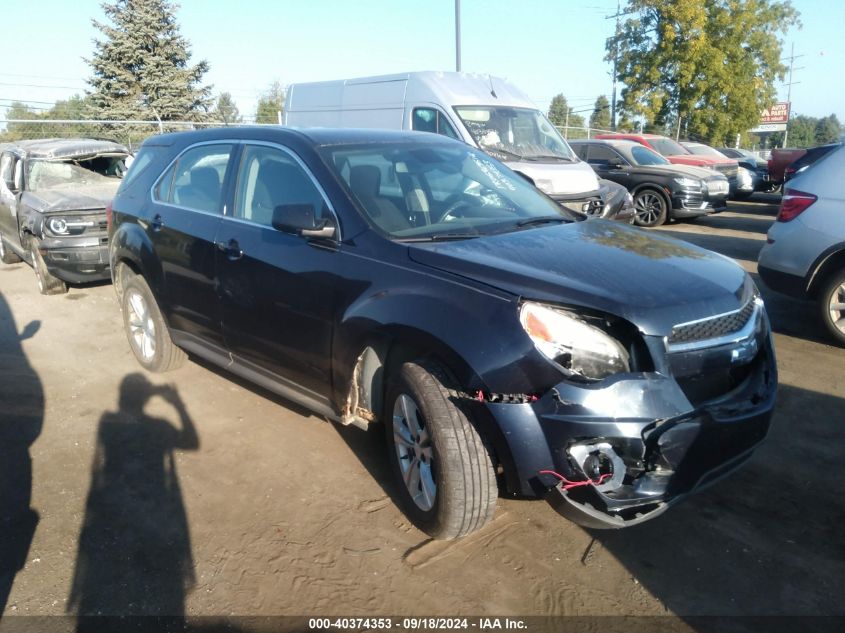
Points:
[(195, 180)]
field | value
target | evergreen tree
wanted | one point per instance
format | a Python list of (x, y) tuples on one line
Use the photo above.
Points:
[(226, 111), (558, 113), (141, 70), (270, 104), (600, 118)]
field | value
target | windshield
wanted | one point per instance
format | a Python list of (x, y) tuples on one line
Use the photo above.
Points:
[(420, 192), (705, 150), (515, 133), (644, 156), (667, 147), (46, 174)]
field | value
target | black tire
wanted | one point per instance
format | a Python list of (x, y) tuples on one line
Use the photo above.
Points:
[(650, 208), (7, 255), (451, 449), (832, 306), (145, 328), (48, 284)]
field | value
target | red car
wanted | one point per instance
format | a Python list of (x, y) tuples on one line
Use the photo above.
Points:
[(679, 155)]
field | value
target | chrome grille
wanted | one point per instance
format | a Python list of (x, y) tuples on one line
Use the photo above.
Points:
[(714, 327), (729, 170)]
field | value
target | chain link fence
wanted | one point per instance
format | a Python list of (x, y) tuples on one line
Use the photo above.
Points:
[(572, 133), (133, 133), (129, 133)]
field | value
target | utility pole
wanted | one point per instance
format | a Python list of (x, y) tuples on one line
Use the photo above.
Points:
[(458, 35), (792, 57), (615, 64)]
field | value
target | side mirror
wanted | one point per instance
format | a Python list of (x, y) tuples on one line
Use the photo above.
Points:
[(299, 219), (614, 163)]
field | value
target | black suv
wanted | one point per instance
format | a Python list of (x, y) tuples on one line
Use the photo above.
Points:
[(53, 197), (409, 279), (661, 190)]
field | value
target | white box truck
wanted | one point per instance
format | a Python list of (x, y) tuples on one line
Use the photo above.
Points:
[(486, 112)]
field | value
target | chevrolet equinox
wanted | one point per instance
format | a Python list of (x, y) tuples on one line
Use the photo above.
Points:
[(503, 344)]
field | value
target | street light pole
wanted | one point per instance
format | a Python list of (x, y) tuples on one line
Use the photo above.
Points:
[(458, 35)]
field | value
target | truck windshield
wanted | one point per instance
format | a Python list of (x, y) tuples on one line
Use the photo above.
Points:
[(515, 133), (426, 192)]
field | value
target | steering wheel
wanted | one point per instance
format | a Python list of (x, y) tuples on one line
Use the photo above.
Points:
[(455, 202)]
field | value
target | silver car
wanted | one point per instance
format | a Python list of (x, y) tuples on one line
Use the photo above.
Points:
[(804, 255)]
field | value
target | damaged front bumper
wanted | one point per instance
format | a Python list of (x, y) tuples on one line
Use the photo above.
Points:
[(77, 259), (671, 432)]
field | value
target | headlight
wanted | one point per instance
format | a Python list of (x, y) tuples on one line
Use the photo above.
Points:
[(576, 346), (744, 177), (688, 183), (58, 226)]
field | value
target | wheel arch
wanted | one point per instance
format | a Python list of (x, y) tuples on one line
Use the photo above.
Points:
[(828, 263)]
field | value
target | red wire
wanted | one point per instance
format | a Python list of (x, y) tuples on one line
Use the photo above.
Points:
[(575, 484)]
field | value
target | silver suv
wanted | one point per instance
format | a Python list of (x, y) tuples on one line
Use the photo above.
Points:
[(804, 255)]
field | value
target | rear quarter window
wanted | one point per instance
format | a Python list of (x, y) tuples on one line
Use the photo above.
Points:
[(137, 165)]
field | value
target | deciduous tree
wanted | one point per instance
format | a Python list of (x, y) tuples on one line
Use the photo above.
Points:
[(713, 63), (271, 104), (226, 111)]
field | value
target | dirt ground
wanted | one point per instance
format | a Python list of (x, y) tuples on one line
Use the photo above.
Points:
[(195, 493)]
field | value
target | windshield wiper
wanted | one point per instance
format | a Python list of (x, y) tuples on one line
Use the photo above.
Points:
[(544, 219), (547, 157), (503, 152), (440, 237)]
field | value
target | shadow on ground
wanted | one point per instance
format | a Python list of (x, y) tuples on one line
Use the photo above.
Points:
[(21, 419)]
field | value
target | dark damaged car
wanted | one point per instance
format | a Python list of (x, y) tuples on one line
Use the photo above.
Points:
[(53, 197), (504, 344)]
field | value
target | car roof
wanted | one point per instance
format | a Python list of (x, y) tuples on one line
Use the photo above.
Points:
[(315, 136), (58, 148), (615, 142)]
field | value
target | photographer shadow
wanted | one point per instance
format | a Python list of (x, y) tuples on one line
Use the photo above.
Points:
[(21, 419), (134, 555)]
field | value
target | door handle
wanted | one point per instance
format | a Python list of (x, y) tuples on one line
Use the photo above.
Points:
[(157, 222), (231, 249)]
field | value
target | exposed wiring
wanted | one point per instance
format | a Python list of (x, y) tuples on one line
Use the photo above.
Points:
[(575, 484)]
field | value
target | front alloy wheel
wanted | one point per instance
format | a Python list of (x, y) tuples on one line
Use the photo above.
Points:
[(447, 485), (649, 208), (414, 452)]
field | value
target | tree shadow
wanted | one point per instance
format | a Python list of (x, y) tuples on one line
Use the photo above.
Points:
[(21, 419), (765, 542), (134, 555)]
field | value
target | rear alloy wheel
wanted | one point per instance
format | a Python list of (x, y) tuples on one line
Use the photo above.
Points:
[(650, 208), (832, 304), (445, 477), (7, 255), (48, 284), (146, 330)]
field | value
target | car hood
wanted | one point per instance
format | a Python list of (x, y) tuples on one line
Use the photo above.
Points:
[(676, 170), (71, 197), (652, 281)]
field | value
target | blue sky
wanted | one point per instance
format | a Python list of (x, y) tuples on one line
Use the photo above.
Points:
[(544, 46)]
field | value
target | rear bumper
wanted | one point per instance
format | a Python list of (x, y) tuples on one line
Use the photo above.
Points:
[(785, 283), (77, 260), (671, 445)]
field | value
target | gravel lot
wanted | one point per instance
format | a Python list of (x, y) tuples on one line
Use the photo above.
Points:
[(195, 493)]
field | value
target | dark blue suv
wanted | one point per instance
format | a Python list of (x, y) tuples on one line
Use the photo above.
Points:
[(504, 344)]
